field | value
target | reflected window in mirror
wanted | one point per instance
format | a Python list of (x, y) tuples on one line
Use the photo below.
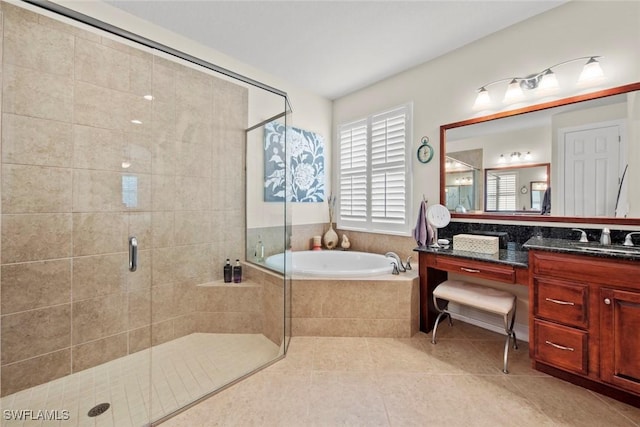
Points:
[(507, 189)]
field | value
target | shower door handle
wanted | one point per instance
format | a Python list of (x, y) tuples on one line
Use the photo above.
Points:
[(133, 254)]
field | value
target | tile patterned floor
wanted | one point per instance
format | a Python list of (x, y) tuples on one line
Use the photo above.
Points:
[(405, 382), (182, 370)]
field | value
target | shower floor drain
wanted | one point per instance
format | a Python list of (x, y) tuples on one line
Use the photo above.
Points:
[(98, 409)]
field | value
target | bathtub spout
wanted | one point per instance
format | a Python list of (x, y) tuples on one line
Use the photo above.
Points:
[(397, 260)]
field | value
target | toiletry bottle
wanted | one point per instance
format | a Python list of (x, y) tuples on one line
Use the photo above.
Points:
[(227, 271), (237, 272), (259, 253)]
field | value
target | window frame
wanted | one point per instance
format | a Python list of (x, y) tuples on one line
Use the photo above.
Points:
[(367, 223), (501, 193)]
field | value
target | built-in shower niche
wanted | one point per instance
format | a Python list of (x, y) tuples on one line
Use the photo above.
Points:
[(123, 141)]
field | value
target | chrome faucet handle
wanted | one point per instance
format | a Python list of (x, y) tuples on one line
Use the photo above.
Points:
[(407, 265), (583, 235), (395, 268), (627, 239)]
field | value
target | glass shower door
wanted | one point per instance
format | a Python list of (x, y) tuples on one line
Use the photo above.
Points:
[(76, 170)]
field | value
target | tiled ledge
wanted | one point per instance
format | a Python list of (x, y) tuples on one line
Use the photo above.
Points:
[(223, 284)]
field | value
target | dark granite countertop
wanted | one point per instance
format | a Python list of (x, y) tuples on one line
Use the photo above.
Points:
[(512, 256), (590, 248)]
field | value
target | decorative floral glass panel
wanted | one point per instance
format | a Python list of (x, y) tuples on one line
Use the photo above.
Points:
[(305, 164)]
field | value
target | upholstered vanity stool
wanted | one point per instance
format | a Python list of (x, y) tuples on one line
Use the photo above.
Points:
[(480, 297)]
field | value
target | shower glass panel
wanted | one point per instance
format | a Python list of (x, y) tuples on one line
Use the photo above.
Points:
[(267, 234), (123, 193)]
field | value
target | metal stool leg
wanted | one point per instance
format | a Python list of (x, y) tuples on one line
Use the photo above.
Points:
[(508, 327), (442, 312), (435, 326)]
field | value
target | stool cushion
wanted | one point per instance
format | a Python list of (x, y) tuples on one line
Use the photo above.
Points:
[(478, 296)]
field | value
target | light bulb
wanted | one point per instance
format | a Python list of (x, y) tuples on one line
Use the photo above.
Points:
[(549, 82), (482, 100), (591, 72), (514, 92)]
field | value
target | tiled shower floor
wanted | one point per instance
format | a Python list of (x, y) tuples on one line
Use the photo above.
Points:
[(182, 370)]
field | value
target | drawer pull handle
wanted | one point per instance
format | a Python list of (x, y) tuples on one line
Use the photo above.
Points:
[(558, 346), (557, 301), (607, 301), (470, 270)]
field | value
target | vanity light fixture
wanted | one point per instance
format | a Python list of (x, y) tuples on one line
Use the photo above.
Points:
[(515, 156), (544, 81)]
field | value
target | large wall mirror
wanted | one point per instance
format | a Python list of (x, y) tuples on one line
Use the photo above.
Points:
[(569, 160)]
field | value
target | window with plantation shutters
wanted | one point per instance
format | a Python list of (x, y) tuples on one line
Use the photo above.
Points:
[(501, 191), (374, 172)]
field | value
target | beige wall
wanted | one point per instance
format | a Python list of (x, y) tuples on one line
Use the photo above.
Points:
[(443, 90), (68, 299), (310, 111)]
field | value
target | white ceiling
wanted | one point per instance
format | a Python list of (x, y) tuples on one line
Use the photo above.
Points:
[(333, 48)]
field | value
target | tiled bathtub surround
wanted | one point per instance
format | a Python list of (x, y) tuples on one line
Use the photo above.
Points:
[(380, 306), (79, 177)]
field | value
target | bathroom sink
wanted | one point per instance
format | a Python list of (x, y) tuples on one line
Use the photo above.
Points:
[(622, 250)]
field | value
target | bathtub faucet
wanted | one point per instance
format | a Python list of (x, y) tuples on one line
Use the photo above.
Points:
[(397, 260)]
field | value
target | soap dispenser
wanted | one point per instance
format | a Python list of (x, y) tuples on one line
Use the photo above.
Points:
[(227, 271), (605, 237), (237, 272)]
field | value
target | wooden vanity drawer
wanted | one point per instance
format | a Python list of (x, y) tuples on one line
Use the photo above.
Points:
[(561, 301), (607, 271), (561, 346), (498, 272)]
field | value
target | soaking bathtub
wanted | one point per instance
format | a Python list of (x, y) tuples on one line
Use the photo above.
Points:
[(331, 263)]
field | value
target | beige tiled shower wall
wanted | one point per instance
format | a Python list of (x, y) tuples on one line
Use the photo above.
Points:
[(68, 300)]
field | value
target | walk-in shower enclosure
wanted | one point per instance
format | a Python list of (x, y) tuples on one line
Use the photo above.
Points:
[(123, 193)]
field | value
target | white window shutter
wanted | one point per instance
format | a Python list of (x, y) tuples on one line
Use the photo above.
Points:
[(501, 191), (375, 172), (353, 172)]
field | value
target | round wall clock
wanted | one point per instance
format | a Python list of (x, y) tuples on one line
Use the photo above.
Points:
[(425, 151), (524, 189)]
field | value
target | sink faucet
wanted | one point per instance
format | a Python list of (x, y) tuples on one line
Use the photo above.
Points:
[(583, 235), (397, 259), (605, 237), (627, 239)]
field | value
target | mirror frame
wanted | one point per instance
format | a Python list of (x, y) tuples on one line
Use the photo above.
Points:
[(516, 112)]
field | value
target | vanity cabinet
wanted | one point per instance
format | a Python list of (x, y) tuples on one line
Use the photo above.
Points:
[(585, 320), (620, 338), (435, 266)]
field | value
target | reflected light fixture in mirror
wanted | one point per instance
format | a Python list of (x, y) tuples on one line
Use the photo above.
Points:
[(544, 82)]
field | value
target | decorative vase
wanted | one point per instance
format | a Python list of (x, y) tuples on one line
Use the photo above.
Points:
[(330, 238), (345, 243)]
